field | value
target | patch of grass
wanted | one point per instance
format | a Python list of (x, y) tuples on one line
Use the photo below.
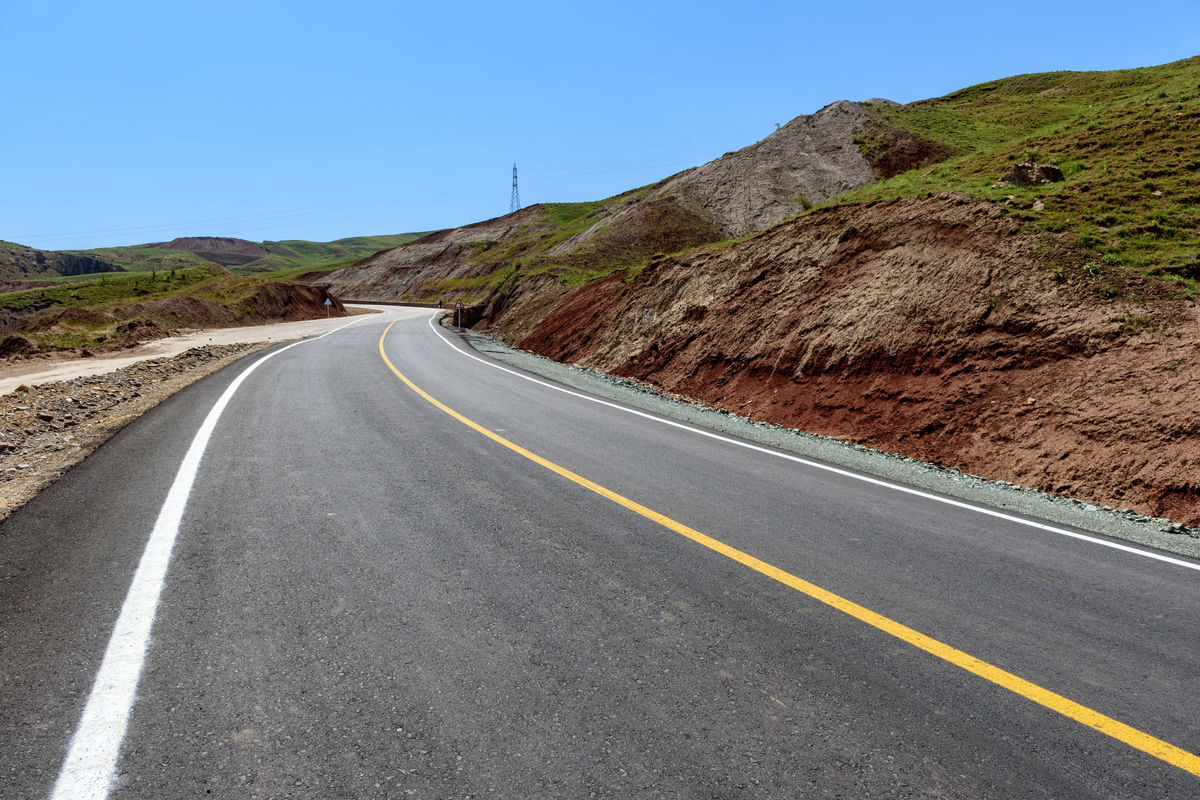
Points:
[(1132, 325)]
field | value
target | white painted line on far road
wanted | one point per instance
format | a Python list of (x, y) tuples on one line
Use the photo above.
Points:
[(828, 468), (87, 771)]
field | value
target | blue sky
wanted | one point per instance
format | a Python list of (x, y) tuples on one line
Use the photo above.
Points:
[(130, 122)]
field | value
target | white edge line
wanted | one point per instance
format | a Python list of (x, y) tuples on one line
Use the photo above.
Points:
[(837, 471), (87, 771)]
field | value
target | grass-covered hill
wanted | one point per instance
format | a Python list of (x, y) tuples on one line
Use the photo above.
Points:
[(1127, 141)]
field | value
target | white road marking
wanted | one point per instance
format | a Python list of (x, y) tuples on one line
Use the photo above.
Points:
[(828, 468), (87, 771)]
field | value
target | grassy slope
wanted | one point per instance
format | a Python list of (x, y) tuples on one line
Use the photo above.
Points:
[(109, 294), (293, 253), (111, 288), (140, 257), (1128, 142)]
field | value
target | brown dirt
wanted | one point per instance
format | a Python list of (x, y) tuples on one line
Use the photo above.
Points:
[(929, 327), (222, 250), (389, 275)]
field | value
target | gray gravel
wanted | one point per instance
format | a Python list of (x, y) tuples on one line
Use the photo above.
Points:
[(1122, 524)]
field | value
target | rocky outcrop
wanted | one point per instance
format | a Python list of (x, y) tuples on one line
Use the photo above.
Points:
[(809, 160), (20, 263), (72, 264), (1028, 173)]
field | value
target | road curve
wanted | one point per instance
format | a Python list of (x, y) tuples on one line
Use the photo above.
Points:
[(397, 571)]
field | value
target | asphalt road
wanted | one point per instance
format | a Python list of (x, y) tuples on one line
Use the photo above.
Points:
[(369, 598)]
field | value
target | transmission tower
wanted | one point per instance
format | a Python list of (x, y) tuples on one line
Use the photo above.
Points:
[(515, 203)]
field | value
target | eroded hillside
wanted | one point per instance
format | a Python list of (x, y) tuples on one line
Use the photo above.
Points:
[(809, 160), (930, 327)]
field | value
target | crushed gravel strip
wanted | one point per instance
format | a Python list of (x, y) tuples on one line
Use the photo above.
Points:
[(1121, 524), (47, 429)]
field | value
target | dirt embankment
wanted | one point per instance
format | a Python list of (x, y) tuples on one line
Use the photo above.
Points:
[(928, 327), (453, 254), (122, 325)]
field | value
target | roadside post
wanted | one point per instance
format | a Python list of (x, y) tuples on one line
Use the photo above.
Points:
[(328, 303), (458, 307)]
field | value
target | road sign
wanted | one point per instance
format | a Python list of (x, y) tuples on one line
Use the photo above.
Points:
[(458, 304), (328, 302)]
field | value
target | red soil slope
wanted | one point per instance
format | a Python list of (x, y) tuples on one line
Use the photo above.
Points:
[(929, 327)]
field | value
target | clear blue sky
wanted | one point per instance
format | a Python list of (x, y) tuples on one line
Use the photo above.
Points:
[(130, 122)]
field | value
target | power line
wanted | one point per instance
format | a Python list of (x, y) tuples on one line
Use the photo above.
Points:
[(515, 203)]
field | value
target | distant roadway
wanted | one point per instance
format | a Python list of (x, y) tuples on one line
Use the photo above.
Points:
[(378, 565)]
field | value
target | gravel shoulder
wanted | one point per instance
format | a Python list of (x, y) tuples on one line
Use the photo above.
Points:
[(1021, 501), (54, 413), (47, 429)]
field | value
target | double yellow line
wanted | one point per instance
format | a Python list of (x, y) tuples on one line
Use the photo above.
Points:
[(1133, 737)]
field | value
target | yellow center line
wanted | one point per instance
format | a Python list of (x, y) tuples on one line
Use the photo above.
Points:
[(1133, 737)]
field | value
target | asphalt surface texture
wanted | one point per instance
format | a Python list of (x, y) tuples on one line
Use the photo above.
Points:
[(368, 598)]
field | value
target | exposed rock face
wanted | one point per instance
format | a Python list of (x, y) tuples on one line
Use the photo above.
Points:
[(20, 263), (221, 250), (813, 157), (70, 264), (1028, 173)]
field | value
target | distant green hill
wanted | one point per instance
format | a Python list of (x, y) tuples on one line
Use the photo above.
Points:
[(293, 253), (287, 254)]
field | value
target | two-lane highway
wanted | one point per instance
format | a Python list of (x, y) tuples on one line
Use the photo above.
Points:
[(390, 568)]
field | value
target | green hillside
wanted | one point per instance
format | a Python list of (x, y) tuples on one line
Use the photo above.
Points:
[(293, 253), (287, 254), (141, 258), (1128, 142)]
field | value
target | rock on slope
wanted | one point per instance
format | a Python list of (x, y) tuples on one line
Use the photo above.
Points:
[(812, 157), (927, 327)]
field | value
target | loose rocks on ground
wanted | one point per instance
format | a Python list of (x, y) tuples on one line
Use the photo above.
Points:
[(47, 429)]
